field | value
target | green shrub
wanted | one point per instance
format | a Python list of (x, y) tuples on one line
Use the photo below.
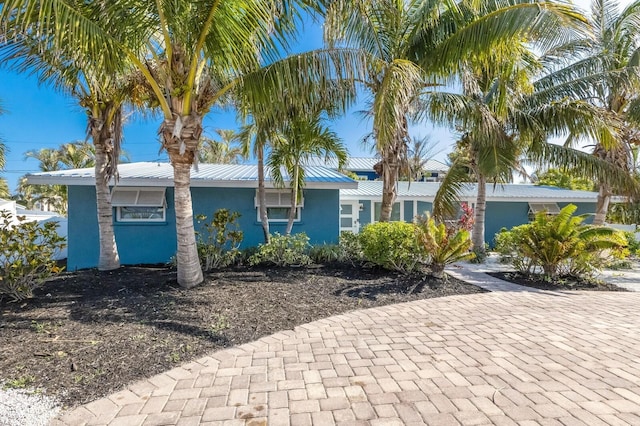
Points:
[(283, 250), (632, 243), (562, 245), (444, 245), (350, 247), (326, 253), (26, 255), (507, 244), (219, 242), (392, 245)]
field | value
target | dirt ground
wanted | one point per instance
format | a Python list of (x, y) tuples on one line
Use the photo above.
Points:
[(562, 283), (87, 334)]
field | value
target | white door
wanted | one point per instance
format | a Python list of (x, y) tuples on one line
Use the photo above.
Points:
[(349, 213)]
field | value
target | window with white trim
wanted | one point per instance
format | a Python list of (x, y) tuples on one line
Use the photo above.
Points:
[(278, 203), (139, 204)]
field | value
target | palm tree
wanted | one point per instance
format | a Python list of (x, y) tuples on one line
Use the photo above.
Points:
[(505, 115), (94, 77), (223, 151), (260, 137), (4, 187), (416, 44), (421, 150), (614, 53), (302, 139), (192, 56), (77, 155)]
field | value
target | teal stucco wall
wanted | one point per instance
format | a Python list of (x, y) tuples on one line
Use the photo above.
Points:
[(508, 214), (155, 242)]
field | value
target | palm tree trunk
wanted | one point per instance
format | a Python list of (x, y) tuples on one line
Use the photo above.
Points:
[(109, 258), (189, 269), (480, 211), (602, 206), (389, 173), (182, 149), (262, 197), (105, 127), (294, 201)]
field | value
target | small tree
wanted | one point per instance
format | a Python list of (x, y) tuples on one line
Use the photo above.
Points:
[(26, 255), (218, 245)]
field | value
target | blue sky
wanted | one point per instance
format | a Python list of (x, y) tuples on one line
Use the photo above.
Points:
[(38, 117)]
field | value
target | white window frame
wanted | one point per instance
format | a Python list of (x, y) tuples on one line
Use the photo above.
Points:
[(278, 198), (139, 197)]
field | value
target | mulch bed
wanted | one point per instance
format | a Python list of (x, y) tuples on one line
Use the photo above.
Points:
[(562, 283), (89, 333)]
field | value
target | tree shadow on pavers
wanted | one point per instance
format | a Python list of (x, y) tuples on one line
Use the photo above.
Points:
[(88, 333)]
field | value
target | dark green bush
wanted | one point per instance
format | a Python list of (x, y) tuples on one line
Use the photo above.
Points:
[(392, 245), (283, 250), (26, 255), (219, 241)]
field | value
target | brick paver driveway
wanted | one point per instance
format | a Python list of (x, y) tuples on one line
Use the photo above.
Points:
[(507, 357)]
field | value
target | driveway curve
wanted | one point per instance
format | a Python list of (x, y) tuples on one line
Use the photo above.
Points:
[(509, 357)]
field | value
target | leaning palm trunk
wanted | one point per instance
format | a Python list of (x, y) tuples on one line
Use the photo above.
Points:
[(180, 137), (105, 132), (480, 213), (262, 197), (294, 201)]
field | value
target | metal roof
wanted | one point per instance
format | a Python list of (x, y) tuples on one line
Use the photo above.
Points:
[(502, 192), (365, 164), (207, 175)]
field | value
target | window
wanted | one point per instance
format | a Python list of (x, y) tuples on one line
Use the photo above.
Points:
[(395, 212), (278, 204), (550, 208), (139, 204)]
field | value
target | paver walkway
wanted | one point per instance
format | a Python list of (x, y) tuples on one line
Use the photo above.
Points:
[(507, 357)]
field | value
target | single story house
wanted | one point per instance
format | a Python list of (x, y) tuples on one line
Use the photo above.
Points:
[(433, 170), (508, 205), (144, 215), (39, 216)]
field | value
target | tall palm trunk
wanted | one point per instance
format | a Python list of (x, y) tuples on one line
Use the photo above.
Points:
[(181, 149), (105, 132), (389, 174), (602, 206), (477, 236), (294, 200), (262, 197)]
